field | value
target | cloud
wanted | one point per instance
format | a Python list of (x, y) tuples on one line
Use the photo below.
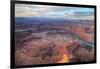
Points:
[(45, 10), (21, 9)]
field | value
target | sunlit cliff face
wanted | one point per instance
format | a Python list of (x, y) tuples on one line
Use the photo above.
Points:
[(65, 59), (65, 55)]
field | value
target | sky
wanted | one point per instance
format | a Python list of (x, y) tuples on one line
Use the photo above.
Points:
[(25, 10)]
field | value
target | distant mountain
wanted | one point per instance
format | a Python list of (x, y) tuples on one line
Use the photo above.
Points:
[(47, 20)]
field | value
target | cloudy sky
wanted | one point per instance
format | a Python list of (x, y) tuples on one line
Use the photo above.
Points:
[(24, 10)]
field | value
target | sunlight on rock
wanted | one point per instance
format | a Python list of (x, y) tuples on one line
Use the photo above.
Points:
[(65, 59)]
